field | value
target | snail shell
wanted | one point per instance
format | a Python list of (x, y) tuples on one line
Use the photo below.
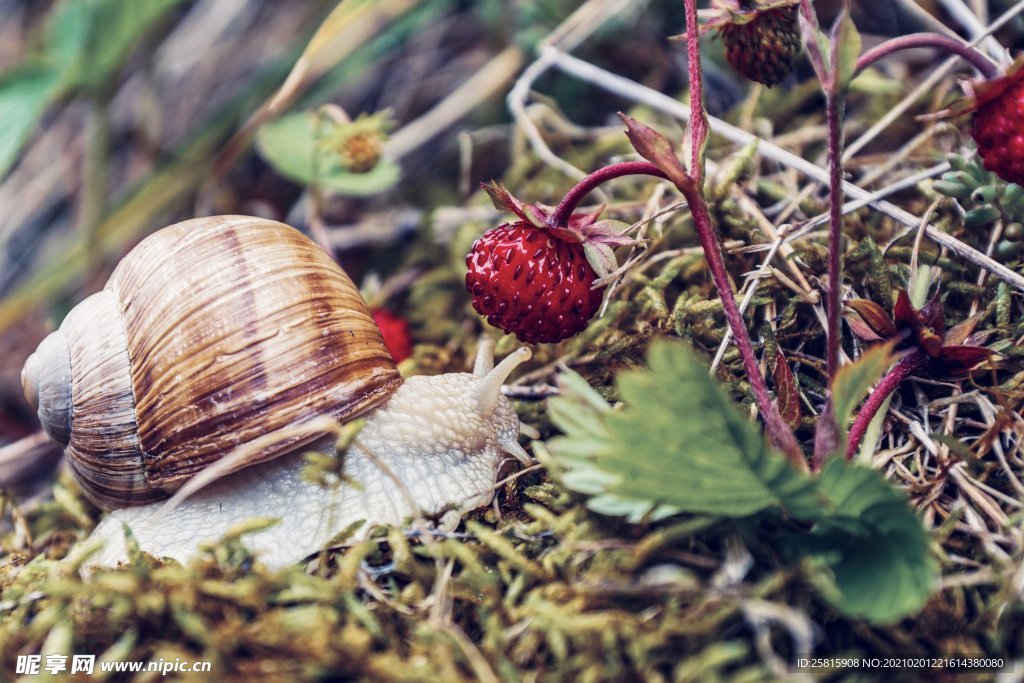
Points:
[(209, 336)]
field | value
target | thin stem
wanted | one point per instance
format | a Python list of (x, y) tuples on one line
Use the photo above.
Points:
[(716, 264), (563, 212), (966, 52), (899, 372), (699, 116), (807, 9), (780, 434), (833, 112)]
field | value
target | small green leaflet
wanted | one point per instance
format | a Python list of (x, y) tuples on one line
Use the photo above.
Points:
[(289, 144), (845, 50), (853, 381)]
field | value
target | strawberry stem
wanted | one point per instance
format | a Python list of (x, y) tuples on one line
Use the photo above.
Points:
[(563, 212), (968, 53), (698, 114), (833, 114), (892, 380), (780, 434)]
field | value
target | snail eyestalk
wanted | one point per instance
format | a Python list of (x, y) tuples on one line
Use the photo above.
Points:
[(490, 385)]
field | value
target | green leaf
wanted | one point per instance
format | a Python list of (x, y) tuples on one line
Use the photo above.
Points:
[(874, 431), (88, 39), (24, 96), (845, 50), (852, 381), (289, 144), (872, 544), (678, 443)]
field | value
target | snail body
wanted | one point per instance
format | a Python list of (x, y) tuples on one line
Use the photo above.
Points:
[(220, 350)]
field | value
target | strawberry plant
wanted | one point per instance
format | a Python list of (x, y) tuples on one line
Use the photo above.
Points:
[(598, 454)]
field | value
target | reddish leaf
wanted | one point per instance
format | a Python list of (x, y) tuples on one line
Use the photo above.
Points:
[(959, 333), (579, 221), (781, 436), (978, 338), (931, 314), (873, 316), (861, 328), (786, 391), (612, 233), (903, 312), (567, 234), (653, 146), (959, 359)]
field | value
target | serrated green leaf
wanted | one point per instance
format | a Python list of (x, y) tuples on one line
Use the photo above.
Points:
[(289, 144), (24, 96), (873, 544), (852, 381), (678, 442)]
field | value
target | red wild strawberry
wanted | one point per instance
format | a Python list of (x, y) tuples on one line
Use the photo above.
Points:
[(998, 128), (535, 279), (395, 331), (531, 282)]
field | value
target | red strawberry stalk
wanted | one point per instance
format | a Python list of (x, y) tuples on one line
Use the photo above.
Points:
[(915, 40), (560, 216), (890, 382)]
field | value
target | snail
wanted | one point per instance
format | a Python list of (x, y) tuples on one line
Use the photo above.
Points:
[(220, 350)]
